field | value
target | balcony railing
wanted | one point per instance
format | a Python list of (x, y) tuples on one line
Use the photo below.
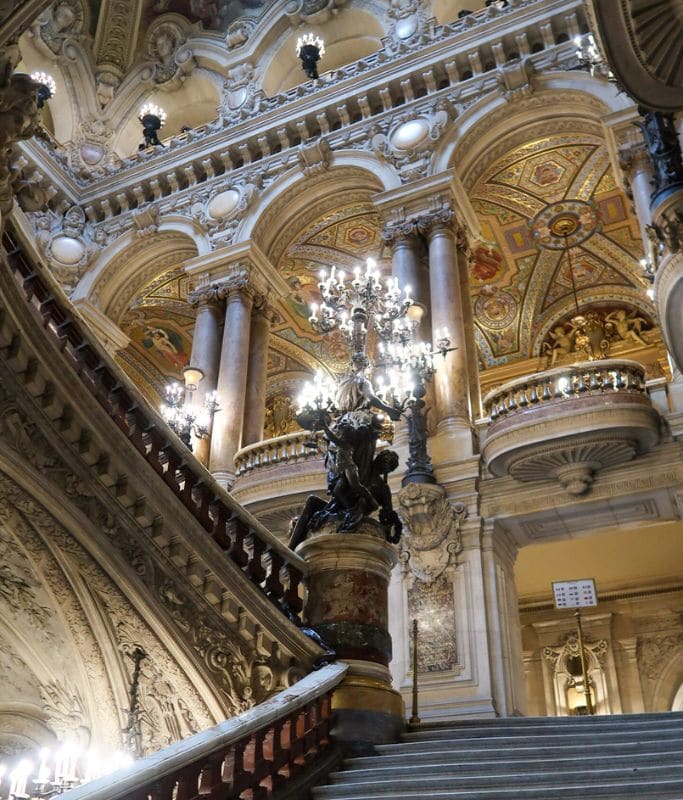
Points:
[(248, 756), (268, 564), (569, 423), (563, 383), (287, 449)]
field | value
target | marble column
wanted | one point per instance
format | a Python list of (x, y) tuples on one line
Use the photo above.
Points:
[(464, 256), (232, 378), (206, 350), (255, 408), (451, 384), (406, 261), (636, 165), (347, 604)]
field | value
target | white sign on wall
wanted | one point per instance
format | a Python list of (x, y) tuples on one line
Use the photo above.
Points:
[(575, 594)]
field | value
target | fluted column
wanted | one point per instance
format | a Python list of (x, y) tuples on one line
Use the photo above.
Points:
[(255, 409), (451, 385), (232, 378), (206, 351)]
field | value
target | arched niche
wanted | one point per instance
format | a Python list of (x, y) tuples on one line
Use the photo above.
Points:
[(348, 37), (193, 104)]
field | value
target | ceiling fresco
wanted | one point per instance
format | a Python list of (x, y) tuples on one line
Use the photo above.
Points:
[(520, 276), (344, 239)]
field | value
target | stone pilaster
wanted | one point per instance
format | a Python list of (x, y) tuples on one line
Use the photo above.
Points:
[(255, 409), (347, 605)]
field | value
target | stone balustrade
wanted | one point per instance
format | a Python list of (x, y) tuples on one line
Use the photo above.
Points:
[(268, 564), (287, 449), (569, 423), (464, 60), (563, 383), (253, 754)]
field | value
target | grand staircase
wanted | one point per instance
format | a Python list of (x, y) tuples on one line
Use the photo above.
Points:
[(546, 758)]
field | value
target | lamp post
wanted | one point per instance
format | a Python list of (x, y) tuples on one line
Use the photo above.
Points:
[(46, 87), (310, 49), (182, 417), (152, 119)]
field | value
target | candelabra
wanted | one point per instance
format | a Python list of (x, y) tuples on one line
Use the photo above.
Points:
[(52, 773), (152, 119), (310, 49), (182, 417), (46, 87), (354, 307)]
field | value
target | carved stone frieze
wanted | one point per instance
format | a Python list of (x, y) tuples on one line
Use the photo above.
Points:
[(654, 651), (432, 530)]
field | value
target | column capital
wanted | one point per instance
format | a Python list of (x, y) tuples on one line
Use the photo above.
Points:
[(634, 157), (240, 267), (205, 295), (399, 231)]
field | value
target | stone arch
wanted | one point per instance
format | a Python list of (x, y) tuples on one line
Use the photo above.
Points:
[(134, 258), (295, 198), (555, 97), (668, 689)]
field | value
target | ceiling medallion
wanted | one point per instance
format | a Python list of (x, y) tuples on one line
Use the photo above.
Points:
[(564, 224)]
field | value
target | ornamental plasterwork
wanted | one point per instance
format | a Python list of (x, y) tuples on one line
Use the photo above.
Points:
[(558, 655), (171, 59), (312, 12), (406, 141), (432, 531), (654, 652), (60, 28), (411, 23), (241, 93)]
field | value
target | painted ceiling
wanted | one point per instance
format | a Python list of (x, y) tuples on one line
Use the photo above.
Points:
[(520, 277)]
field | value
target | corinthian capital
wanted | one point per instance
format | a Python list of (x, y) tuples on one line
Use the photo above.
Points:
[(205, 295), (437, 219), (398, 231)]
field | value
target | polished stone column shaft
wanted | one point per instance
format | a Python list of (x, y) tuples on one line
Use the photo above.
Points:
[(206, 351), (255, 408), (637, 166), (232, 377), (451, 378), (406, 262)]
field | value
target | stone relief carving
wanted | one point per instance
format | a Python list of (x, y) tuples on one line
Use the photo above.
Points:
[(241, 94), (66, 713), (432, 531), (315, 158), (653, 652), (516, 79), (58, 29), (407, 140), (171, 58), (411, 23), (239, 31)]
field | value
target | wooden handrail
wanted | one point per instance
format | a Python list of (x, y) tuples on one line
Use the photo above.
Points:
[(250, 755), (253, 548)]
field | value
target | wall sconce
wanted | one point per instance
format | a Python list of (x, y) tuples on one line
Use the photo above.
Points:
[(46, 87), (152, 118), (310, 49)]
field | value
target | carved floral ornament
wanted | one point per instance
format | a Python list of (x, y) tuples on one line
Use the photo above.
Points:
[(432, 530)]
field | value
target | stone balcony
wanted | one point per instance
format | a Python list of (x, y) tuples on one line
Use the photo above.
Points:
[(274, 477), (569, 423)]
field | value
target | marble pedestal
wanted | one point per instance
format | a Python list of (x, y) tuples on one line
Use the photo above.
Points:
[(348, 606)]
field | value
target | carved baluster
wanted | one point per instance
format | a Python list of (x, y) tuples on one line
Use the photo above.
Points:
[(137, 426), (189, 481), (511, 403), (594, 382), (157, 442), (238, 531), (523, 399), (580, 383), (221, 516), (273, 583), (204, 498), (173, 462), (188, 783), (533, 395), (619, 382), (547, 394), (255, 568), (211, 778), (291, 596)]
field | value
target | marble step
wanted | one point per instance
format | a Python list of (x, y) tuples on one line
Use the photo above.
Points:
[(531, 729), (387, 767), (590, 721), (426, 784), (520, 754), (661, 790), (583, 738)]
